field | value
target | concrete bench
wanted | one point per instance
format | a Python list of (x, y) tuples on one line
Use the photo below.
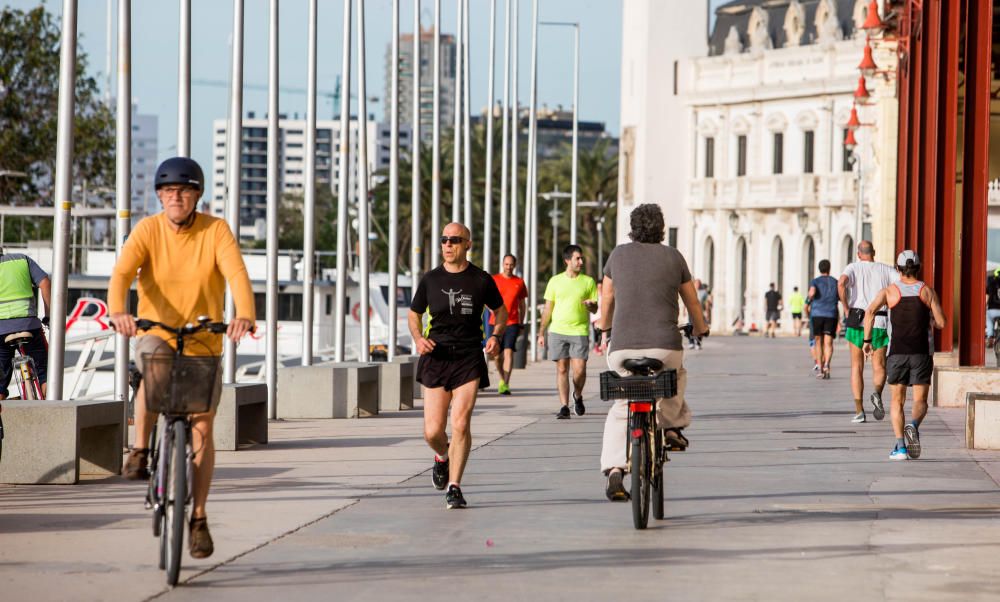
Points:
[(242, 416), (397, 380), (328, 390), (58, 441), (982, 420)]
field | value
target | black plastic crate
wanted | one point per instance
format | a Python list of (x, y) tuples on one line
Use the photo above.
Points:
[(638, 388)]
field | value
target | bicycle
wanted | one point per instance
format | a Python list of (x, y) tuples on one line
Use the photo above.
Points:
[(25, 374), (177, 386), (645, 447)]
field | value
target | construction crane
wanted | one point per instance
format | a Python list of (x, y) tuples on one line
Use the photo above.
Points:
[(330, 95)]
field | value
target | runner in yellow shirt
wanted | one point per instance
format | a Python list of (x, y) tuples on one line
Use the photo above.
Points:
[(795, 303)]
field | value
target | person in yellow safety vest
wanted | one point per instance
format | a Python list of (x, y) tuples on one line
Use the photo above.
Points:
[(795, 303), (20, 276)]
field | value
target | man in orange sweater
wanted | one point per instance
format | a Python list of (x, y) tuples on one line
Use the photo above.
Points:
[(184, 259)]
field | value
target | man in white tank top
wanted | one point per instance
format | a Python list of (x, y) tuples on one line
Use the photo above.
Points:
[(857, 287)]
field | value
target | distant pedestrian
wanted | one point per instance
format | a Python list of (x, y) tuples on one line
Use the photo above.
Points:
[(772, 311), (514, 293), (569, 298), (858, 285), (796, 303), (594, 320), (452, 368), (913, 310), (992, 306), (823, 315)]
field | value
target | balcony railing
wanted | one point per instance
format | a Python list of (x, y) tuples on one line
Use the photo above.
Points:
[(772, 192)]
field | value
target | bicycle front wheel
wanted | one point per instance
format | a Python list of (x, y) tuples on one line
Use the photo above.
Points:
[(640, 463), (175, 500)]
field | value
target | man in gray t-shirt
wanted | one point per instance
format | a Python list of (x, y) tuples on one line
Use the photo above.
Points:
[(642, 282)]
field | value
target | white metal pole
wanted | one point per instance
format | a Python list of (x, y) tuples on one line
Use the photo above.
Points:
[(514, 125), (416, 240), (466, 127), (436, 144), (363, 228), (532, 214), (505, 137), (309, 205), (576, 133), (488, 188), (271, 287), (107, 58), (344, 168), (394, 182), (123, 175), (63, 199), (233, 153), (456, 163), (184, 82)]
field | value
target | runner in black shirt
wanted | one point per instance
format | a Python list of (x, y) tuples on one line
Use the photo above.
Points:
[(772, 310), (452, 368)]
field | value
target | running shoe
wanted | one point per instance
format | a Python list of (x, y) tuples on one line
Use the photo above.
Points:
[(879, 409), (578, 405), (899, 453), (503, 388), (816, 368), (439, 474), (454, 498), (912, 438), (563, 413), (859, 418), (616, 487)]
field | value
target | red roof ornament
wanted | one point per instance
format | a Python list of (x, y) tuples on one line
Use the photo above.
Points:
[(867, 64), (861, 93), (872, 21)]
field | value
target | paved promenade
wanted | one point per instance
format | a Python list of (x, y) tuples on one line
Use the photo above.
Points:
[(780, 498)]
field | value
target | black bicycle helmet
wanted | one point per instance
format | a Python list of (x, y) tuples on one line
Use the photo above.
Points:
[(180, 170)]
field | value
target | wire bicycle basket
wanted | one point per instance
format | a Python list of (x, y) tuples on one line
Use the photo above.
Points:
[(179, 384), (638, 388)]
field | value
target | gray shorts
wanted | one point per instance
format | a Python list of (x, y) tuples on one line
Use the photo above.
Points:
[(153, 344), (563, 346)]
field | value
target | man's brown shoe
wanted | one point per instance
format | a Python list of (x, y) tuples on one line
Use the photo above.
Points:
[(135, 465), (200, 540)]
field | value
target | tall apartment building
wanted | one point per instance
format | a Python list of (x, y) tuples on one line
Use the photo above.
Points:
[(426, 81), (291, 162), (144, 161)]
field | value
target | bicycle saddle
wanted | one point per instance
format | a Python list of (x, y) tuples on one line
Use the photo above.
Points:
[(16, 338), (642, 364)]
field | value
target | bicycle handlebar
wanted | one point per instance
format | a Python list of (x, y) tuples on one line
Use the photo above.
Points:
[(187, 329)]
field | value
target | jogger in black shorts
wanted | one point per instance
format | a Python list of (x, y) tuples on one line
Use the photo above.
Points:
[(452, 368)]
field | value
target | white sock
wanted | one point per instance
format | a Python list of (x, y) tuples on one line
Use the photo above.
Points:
[(443, 458), (450, 485)]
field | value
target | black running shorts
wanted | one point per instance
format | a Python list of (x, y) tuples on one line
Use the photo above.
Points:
[(452, 372), (909, 369), (821, 326)]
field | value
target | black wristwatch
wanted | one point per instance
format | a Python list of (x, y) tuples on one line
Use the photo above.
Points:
[(869, 341), (497, 335)]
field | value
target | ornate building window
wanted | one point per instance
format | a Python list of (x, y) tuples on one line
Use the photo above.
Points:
[(808, 151), (779, 153), (710, 157), (741, 155)]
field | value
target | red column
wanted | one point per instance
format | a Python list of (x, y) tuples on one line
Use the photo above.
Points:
[(945, 250), (914, 160), (978, 46), (924, 225), (904, 145)]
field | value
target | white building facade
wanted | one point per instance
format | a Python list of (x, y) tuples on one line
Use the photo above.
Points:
[(144, 162), (768, 188)]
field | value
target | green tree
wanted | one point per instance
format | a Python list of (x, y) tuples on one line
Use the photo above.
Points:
[(29, 92)]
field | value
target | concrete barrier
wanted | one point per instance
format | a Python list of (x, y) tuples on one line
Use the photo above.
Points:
[(397, 380), (57, 441), (241, 417), (982, 420), (951, 384), (328, 390)]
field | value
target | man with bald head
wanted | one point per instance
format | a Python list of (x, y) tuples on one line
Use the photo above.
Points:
[(452, 368), (857, 287)]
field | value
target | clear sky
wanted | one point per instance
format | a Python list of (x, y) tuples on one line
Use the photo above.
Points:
[(155, 36)]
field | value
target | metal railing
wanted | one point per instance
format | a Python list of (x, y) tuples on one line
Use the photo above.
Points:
[(92, 358)]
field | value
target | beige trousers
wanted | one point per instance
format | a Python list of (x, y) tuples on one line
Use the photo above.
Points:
[(671, 412)]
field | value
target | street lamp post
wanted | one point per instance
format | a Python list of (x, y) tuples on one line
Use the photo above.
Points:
[(555, 214)]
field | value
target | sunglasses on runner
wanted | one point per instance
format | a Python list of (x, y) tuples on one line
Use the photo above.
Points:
[(452, 240)]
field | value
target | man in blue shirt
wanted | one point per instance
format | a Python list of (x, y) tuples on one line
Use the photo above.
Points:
[(823, 314)]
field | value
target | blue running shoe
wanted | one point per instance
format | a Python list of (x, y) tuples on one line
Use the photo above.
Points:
[(899, 454)]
